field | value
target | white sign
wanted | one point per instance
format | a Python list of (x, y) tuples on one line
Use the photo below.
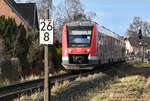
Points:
[(46, 31)]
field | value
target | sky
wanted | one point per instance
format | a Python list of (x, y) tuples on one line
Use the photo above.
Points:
[(116, 15)]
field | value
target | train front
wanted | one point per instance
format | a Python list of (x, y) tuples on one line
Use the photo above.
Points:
[(79, 46)]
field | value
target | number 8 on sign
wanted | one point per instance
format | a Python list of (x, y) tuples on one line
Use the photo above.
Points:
[(46, 36), (46, 31)]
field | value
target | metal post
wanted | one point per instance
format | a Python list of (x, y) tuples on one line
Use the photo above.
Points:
[(142, 53), (46, 80)]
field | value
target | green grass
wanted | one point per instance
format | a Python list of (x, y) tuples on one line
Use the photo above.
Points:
[(132, 84)]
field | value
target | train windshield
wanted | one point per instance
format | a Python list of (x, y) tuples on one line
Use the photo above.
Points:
[(79, 36)]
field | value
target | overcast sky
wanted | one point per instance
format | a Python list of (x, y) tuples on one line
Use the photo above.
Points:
[(116, 15)]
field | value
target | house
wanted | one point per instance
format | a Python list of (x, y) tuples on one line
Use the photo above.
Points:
[(23, 13), (134, 45)]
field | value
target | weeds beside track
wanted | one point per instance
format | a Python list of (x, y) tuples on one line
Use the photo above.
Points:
[(13, 91)]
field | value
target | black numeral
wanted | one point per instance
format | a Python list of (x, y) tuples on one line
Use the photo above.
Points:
[(46, 36), (42, 29), (49, 27)]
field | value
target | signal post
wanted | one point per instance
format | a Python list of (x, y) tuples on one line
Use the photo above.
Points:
[(46, 38), (142, 44)]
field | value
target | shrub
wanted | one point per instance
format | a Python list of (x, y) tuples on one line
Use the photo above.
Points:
[(10, 69)]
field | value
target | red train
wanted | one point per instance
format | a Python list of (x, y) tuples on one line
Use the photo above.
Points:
[(85, 45)]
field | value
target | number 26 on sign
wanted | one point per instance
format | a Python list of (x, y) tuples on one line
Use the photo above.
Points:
[(46, 31)]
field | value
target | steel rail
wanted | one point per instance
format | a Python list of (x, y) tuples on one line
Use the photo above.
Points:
[(9, 92)]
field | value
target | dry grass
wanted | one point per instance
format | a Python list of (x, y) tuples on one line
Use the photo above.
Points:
[(58, 73), (4, 82), (38, 96), (29, 78), (131, 85), (24, 98), (61, 86), (58, 87), (7, 82), (33, 97), (62, 72), (82, 78)]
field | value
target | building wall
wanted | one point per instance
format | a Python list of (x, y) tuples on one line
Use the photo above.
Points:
[(136, 50), (129, 48), (6, 11)]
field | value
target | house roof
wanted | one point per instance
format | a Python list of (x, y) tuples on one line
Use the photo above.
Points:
[(134, 41), (30, 12), (26, 11)]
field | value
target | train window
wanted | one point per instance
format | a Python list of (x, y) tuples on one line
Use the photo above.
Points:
[(77, 39), (79, 36)]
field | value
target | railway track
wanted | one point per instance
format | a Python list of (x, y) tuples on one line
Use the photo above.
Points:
[(13, 91), (10, 92)]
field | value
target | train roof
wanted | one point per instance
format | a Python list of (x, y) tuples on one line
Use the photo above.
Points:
[(104, 31), (81, 23)]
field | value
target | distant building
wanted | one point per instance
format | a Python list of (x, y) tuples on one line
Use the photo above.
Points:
[(133, 45), (23, 13)]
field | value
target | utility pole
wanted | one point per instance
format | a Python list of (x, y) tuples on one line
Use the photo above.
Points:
[(141, 44), (142, 52), (47, 93), (46, 38)]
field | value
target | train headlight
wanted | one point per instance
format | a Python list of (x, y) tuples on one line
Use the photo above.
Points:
[(70, 50), (88, 50)]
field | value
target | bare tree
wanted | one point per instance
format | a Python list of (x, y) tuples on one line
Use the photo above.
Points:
[(42, 5), (137, 24), (146, 28), (67, 11), (18, 0)]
